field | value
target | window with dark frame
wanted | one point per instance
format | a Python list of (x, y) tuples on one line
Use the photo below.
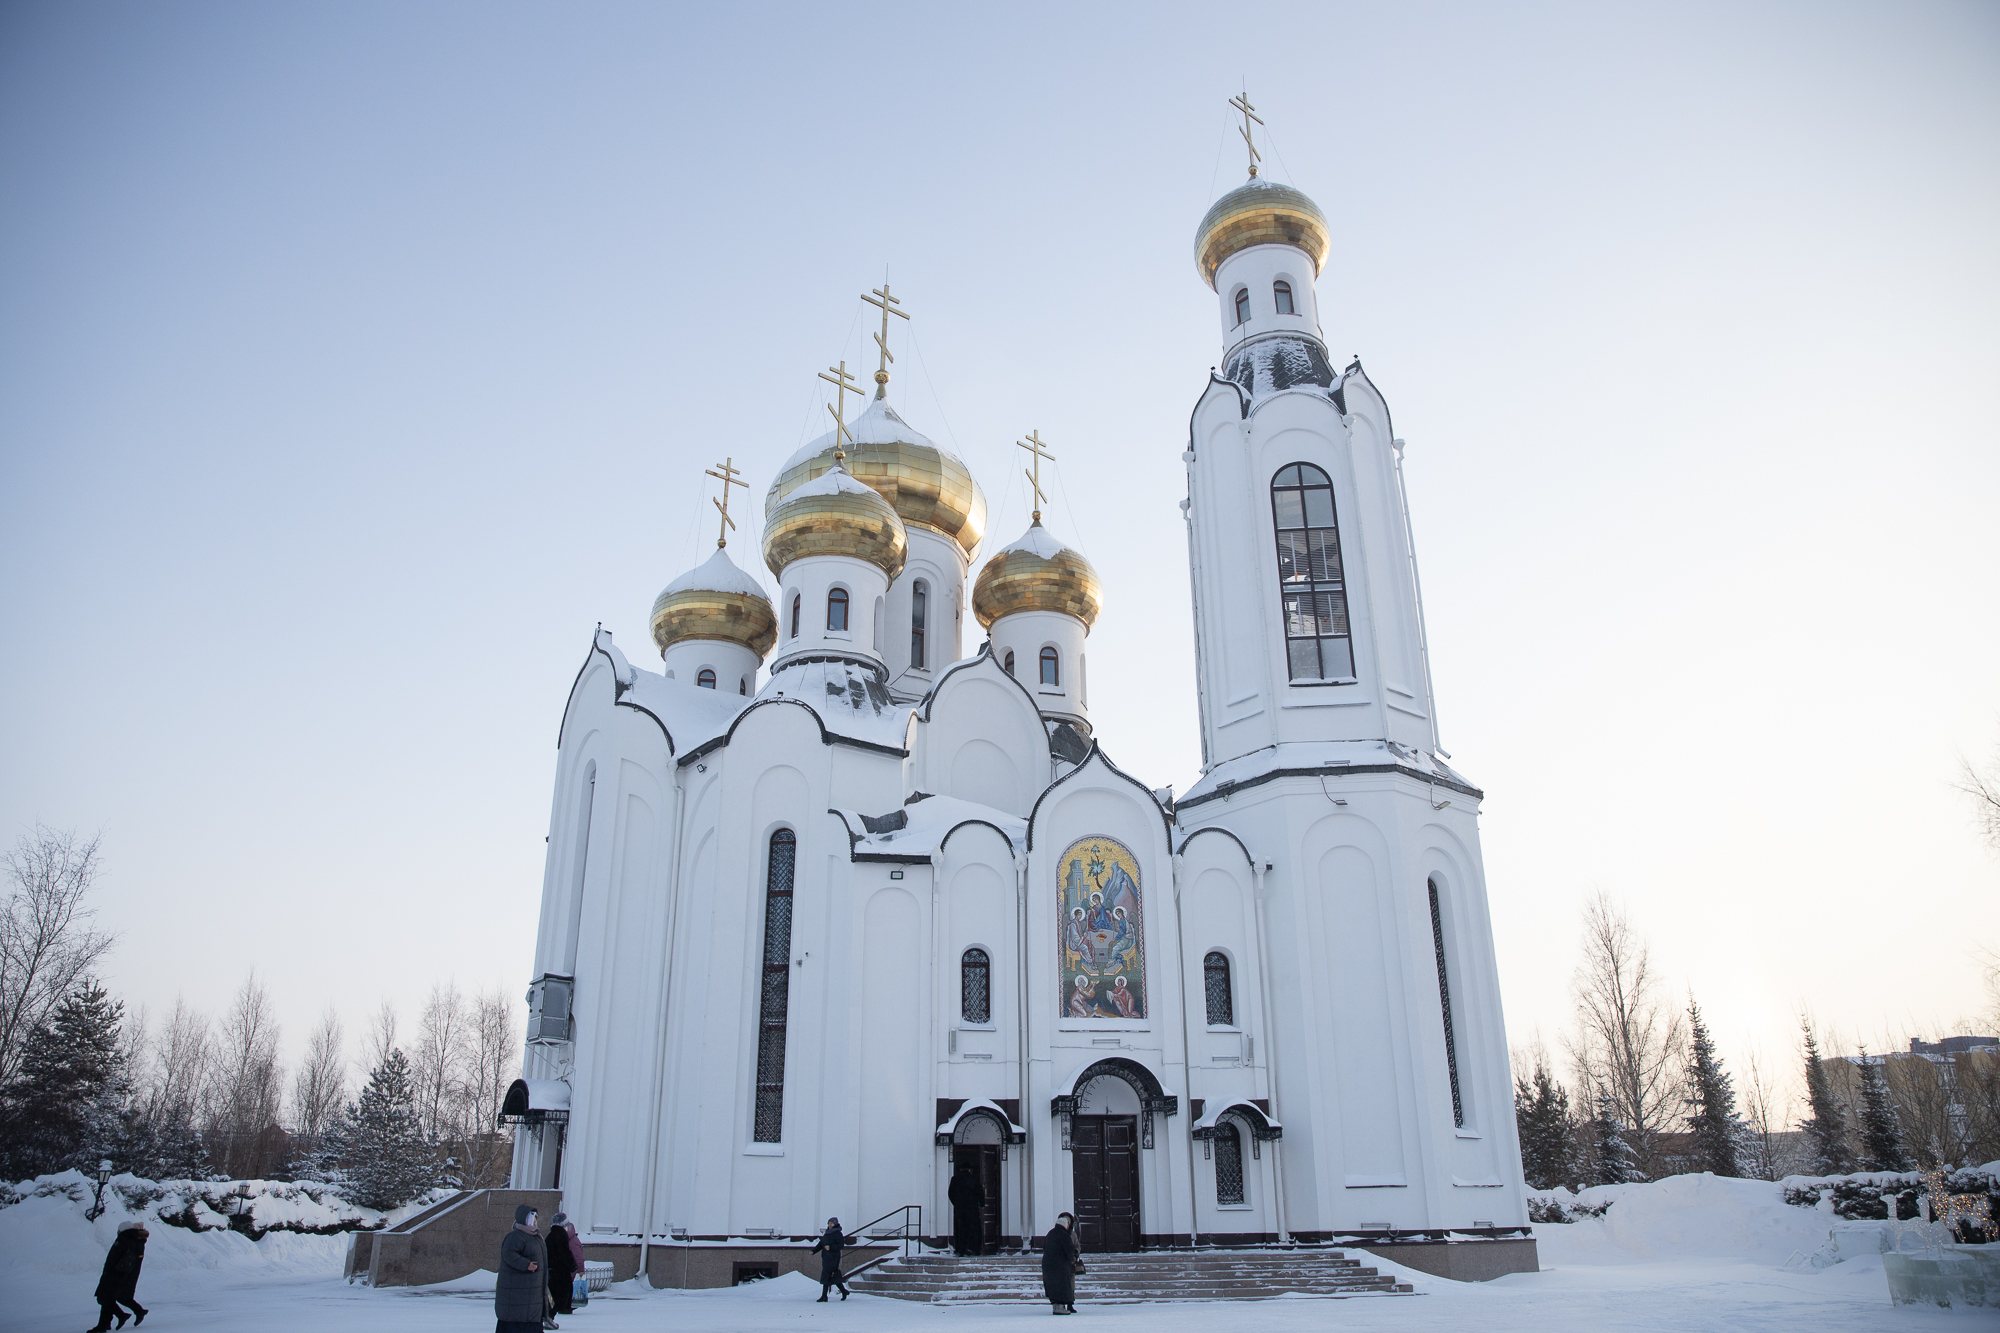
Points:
[(1228, 1163), (795, 615), (836, 610), (1444, 1001), (1051, 668), (1281, 296), (775, 992), (1215, 980), (1311, 582), (743, 686), (1008, 665), (1243, 306), (706, 679), (919, 600), (975, 986)]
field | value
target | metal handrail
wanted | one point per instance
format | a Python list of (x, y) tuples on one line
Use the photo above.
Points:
[(906, 1232)]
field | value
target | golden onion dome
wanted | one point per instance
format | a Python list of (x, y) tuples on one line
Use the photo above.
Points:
[(1037, 573), (715, 601), (833, 514), (1260, 212), (929, 486)]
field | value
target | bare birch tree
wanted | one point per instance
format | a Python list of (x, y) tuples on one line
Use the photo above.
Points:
[(437, 1058), (48, 942), (381, 1038), (1983, 789), (493, 1061), (249, 1081), (320, 1086), (1628, 1036)]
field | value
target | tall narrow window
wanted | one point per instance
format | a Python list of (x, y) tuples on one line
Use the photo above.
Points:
[(1310, 579), (1008, 665), (1281, 296), (706, 680), (795, 615), (1051, 672), (975, 986), (1444, 1000), (1215, 978), (743, 685), (836, 610), (919, 597), (1228, 1163), (769, 1120), (1243, 306)]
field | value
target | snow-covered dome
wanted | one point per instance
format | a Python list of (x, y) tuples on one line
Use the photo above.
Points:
[(715, 600), (929, 486), (833, 514), (1260, 212), (1037, 573)]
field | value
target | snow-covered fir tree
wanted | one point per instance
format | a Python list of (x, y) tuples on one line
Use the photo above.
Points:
[(1547, 1129), (63, 1107), (384, 1157), (1711, 1099), (1615, 1162), (1825, 1128), (1881, 1132)]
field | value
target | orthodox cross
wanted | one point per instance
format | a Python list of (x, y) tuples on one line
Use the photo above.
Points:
[(1242, 103), (838, 377), (1034, 445), (887, 305), (728, 478)]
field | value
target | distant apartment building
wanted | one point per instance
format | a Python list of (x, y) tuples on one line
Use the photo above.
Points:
[(1946, 1094)]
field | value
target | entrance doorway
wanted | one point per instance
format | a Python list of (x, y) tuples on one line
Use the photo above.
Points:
[(984, 1159), (1104, 1158)]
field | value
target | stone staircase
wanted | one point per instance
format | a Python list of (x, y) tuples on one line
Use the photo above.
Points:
[(1123, 1279)]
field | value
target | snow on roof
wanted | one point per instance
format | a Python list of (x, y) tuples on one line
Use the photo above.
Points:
[(1037, 540), (977, 1104), (927, 822), (833, 481), (718, 573), (849, 699), (547, 1094), (1217, 1107), (1315, 755), (877, 424), (689, 713)]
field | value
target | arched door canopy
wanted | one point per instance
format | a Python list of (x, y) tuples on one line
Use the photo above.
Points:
[(1152, 1096)]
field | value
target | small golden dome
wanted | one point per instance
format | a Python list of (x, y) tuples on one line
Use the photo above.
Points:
[(834, 514), (1260, 212), (715, 601), (1037, 573), (929, 486)]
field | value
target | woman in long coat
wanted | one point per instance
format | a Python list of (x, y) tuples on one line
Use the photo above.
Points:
[(968, 1202), (828, 1248), (521, 1288), (121, 1277), (1059, 1265), (562, 1265)]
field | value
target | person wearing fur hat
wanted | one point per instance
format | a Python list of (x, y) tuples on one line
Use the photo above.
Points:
[(522, 1289), (562, 1265), (121, 1278)]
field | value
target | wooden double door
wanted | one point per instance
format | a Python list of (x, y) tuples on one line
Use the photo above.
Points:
[(984, 1159), (1104, 1158)]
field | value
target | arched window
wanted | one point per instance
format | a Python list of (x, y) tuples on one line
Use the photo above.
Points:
[(1310, 580), (1215, 979), (795, 615), (1281, 296), (1051, 672), (743, 685), (1228, 1163), (1444, 1001), (836, 610), (769, 1120), (919, 596), (706, 680), (975, 986), (1008, 665), (1243, 306)]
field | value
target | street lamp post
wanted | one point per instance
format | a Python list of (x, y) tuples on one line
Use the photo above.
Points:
[(97, 1204), (242, 1207)]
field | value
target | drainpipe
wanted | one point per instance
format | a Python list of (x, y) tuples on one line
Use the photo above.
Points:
[(1021, 1044), (1187, 1053), (660, 1039), (1260, 871)]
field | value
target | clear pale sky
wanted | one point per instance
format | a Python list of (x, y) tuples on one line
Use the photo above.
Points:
[(356, 360)]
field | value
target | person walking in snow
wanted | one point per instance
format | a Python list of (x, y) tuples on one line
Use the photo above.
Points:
[(1060, 1265), (521, 1290), (121, 1278), (828, 1248), (562, 1265), (968, 1200)]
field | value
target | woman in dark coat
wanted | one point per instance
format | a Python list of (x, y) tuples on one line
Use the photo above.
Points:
[(968, 1202), (121, 1278), (828, 1247), (562, 1265), (1059, 1265), (521, 1288)]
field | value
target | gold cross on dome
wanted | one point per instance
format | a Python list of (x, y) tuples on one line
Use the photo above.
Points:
[(1242, 103), (838, 377), (887, 305), (1034, 445), (728, 478)]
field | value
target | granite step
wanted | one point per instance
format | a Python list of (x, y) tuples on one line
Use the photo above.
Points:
[(1120, 1279)]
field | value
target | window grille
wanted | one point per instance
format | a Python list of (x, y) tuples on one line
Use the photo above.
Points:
[(1444, 1000), (1051, 672), (1243, 307), (1228, 1163), (1311, 582), (836, 610), (1215, 976), (975, 986), (775, 990), (1281, 296), (919, 597), (706, 680)]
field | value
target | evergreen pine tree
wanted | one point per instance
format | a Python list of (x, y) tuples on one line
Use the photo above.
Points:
[(388, 1160), (1881, 1134), (1825, 1128), (62, 1108), (1616, 1163), (1711, 1101), (1548, 1132)]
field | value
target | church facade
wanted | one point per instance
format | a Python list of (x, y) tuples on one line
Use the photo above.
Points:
[(846, 895)]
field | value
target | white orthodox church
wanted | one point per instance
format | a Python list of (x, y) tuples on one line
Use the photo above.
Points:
[(848, 892)]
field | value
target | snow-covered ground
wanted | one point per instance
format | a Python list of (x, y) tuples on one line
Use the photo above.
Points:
[(1689, 1253)]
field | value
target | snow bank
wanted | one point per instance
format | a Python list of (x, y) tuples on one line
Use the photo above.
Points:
[(1682, 1217), (47, 1234)]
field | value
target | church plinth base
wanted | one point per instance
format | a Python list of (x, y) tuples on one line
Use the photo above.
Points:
[(720, 1263), (1462, 1260)]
